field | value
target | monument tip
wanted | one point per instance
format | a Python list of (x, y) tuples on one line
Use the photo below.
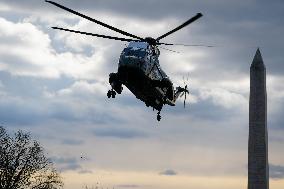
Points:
[(257, 60)]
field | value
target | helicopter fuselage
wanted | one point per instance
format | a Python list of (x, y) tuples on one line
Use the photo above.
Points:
[(139, 70)]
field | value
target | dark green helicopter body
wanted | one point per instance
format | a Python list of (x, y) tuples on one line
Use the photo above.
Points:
[(138, 68)]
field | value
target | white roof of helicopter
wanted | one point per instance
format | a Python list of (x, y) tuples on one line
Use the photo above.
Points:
[(138, 44)]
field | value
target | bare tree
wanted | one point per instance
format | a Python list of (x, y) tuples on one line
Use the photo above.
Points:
[(23, 164)]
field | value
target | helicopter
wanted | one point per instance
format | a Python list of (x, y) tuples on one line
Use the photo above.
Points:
[(138, 67)]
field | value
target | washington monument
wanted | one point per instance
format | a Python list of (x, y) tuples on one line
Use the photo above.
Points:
[(258, 170)]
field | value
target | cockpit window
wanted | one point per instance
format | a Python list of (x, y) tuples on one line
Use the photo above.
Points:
[(136, 49), (139, 45)]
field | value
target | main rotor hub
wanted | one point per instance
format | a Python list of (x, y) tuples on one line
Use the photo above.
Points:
[(151, 41)]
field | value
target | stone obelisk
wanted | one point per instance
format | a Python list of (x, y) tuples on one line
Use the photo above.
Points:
[(258, 170)]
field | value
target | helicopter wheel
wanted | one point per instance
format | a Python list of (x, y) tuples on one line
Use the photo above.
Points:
[(109, 93), (113, 93), (159, 116)]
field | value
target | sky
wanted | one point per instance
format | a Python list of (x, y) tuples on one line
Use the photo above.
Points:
[(53, 84)]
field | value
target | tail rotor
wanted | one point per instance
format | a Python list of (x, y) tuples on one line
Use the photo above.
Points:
[(184, 93), (184, 90)]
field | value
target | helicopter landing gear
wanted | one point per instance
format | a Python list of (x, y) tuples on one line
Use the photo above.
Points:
[(159, 116), (111, 93)]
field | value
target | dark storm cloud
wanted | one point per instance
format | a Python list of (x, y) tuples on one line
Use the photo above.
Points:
[(121, 133), (168, 172), (276, 171)]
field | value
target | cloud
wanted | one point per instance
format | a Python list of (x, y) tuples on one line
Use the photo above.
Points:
[(27, 51), (224, 98), (128, 186), (85, 172), (36, 101), (72, 142), (276, 171), (168, 172), (24, 50), (119, 132), (81, 89), (66, 163)]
